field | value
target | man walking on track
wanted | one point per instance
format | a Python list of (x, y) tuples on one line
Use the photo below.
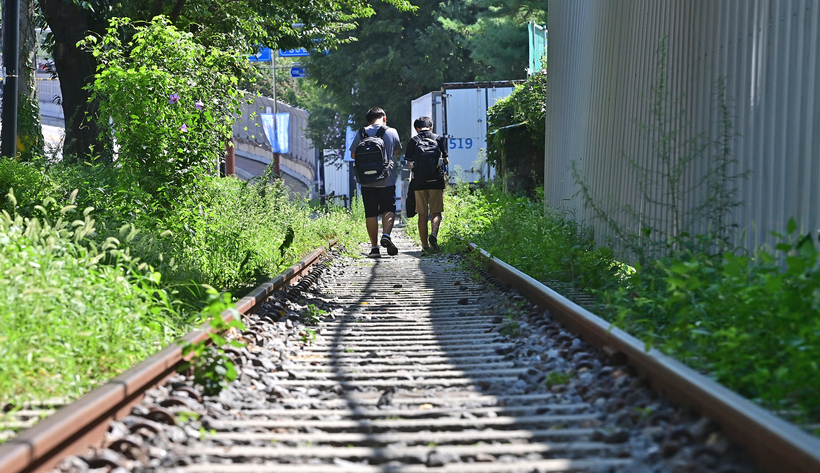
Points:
[(427, 153), (372, 151)]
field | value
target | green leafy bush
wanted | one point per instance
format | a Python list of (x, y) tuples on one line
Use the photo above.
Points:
[(751, 321), (171, 102), (515, 139), (30, 183)]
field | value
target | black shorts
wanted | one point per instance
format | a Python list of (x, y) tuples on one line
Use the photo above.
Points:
[(378, 200)]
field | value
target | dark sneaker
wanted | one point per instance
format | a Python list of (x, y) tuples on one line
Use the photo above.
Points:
[(433, 240), (427, 252), (374, 253), (391, 248)]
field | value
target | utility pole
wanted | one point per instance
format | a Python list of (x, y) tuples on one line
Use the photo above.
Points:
[(273, 54), (11, 66)]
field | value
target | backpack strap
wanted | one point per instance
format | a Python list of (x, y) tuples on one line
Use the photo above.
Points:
[(379, 133)]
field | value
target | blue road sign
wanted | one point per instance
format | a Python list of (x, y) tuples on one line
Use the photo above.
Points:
[(298, 52), (298, 72), (264, 55)]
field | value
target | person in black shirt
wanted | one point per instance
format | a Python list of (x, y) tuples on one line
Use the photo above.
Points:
[(429, 193)]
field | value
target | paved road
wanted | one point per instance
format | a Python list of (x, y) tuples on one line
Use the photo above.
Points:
[(53, 136)]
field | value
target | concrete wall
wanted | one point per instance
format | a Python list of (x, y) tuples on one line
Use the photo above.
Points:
[(297, 174)]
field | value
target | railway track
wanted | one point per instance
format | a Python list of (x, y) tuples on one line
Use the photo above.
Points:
[(420, 365)]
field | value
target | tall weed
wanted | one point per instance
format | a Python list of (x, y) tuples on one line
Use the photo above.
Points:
[(686, 210), (68, 319)]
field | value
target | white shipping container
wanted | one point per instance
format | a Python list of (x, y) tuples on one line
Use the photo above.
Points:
[(465, 106), (337, 180), (428, 105), (459, 112)]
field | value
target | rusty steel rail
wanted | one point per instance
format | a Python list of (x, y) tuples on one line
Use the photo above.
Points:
[(775, 445), (75, 427)]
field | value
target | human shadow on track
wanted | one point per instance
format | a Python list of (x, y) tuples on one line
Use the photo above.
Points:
[(419, 360)]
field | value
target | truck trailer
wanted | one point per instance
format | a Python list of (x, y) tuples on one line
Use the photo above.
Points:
[(459, 113)]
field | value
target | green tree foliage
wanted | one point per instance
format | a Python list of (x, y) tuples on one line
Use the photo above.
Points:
[(290, 90), (230, 26), (171, 101), (326, 123), (496, 34), (515, 142), (399, 56)]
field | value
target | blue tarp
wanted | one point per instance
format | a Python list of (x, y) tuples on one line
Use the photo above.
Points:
[(279, 140), (538, 46), (349, 136)]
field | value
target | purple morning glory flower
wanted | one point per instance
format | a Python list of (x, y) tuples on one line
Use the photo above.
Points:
[(183, 128), (173, 98), (199, 105)]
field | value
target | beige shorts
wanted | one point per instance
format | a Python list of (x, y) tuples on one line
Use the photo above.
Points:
[(432, 197)]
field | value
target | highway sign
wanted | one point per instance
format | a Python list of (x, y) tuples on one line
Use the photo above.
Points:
[(298, 72), (264, 55), (298, 52)]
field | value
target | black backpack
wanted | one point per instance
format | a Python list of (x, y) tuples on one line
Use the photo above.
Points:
[(371, 160), (426, 164)]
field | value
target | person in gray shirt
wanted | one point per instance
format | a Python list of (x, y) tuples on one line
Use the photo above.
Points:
[(379, 196)]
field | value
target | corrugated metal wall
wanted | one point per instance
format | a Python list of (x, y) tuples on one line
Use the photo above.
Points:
[(603, 58)]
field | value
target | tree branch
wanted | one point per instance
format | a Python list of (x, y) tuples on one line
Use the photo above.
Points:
[(157, 8), (177, 11)]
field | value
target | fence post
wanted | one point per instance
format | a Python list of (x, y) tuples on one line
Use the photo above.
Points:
[(230, 158)]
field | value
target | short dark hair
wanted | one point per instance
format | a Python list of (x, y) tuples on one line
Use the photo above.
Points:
[(423, 122), (374, 114)]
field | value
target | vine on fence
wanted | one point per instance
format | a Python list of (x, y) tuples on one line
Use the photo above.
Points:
[(515, 141)]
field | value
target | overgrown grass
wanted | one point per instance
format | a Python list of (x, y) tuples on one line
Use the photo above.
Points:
[(545, 243), (751, 321), (67, 318), (235, 234), (84, 297)]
